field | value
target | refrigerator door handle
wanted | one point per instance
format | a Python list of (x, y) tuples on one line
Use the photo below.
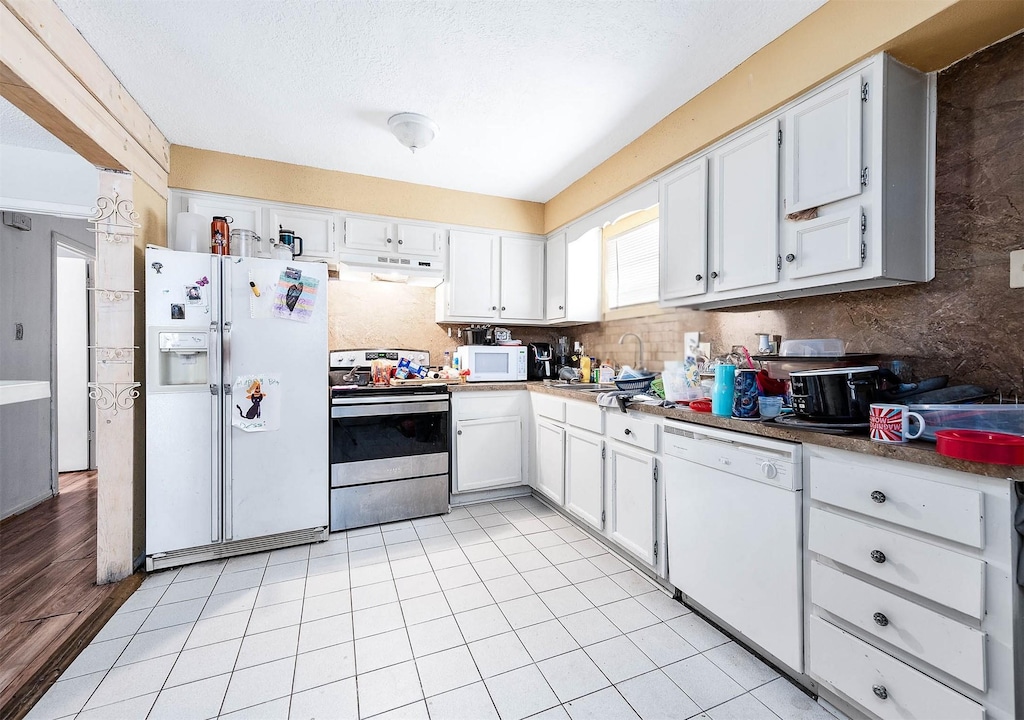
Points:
[(213, 359), (228, 408)]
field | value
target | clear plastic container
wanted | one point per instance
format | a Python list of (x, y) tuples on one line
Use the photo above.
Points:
[(990, 418), (813, 347)]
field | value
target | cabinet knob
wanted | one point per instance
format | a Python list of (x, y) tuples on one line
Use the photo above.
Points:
[(880, 619), (389, 240), (503, 308), (628, 431), (790, 257), (459, 432), (494, 307), (880, 692), (561, 307), (401, 241), (878, 496), (878, 556), (714, 275), (699, 277)]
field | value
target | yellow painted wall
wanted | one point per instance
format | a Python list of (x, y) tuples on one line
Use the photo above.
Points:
[(197, 169), (926, 34)]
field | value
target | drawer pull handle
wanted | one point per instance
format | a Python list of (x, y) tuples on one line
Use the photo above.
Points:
[(878, 556), (880, 619), (878, 496), (880, 692), (628, 431)]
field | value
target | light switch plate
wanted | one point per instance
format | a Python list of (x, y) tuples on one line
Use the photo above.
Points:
[(1017, 269)]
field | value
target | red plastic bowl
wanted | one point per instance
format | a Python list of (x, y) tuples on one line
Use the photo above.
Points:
[(981, 446)]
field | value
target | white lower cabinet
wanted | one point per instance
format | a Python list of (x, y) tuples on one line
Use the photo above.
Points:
[(550, 478), (584, 476), (601, 466), (914, 608), (488, 440), (634, 481)]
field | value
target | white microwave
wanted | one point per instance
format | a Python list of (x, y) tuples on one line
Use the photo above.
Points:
[(492, 363)]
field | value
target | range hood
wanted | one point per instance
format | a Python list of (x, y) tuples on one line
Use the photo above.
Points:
[(407, 269)]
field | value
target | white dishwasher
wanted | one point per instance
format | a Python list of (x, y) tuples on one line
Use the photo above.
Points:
[(733, 514)]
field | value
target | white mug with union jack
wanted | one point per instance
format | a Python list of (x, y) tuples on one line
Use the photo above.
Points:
[(890, 423)]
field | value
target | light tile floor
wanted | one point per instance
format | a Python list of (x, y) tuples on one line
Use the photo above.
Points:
[(499, 610)]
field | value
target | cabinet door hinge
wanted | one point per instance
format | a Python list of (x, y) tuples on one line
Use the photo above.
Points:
[(863, 250), (602, 516), (655, 473), (602, 453), (863, 223), (655, 549), (864, 177), (778, 262), (780, 137), (864, 92)]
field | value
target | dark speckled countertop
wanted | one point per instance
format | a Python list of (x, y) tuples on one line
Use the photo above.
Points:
[(919, 452)]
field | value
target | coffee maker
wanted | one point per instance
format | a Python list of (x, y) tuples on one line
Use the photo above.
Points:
[(542, 362)]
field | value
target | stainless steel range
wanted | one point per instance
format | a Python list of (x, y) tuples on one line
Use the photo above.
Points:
[(389, 445)]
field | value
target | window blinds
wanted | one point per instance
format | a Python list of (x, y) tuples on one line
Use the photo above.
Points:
[(632, 266)]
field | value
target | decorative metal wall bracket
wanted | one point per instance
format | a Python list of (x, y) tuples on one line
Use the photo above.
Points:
[(114, 295), (116, 213), (114, 355), (116, 395)]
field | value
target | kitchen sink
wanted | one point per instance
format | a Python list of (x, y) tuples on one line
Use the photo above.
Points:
[(583, 387)]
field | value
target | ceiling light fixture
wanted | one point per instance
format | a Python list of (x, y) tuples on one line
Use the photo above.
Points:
[(413, 130)]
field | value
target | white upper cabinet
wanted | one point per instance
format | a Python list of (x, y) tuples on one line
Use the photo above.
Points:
[(855, 208), (317, 228), (366, 234), (554, 268), (683, 231), (522, 279), (473, 276), (826, 245), (392, 237), (244, 214), (745, 210), (823, 146)]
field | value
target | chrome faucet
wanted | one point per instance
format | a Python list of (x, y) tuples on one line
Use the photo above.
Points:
[(640, 363)]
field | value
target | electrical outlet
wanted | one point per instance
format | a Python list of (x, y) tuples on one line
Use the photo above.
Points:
[(1017, 269), (19, 331)]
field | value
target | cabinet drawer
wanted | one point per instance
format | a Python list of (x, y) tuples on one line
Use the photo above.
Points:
[(632, 430), (585, 416), (949, 578), (934, 638), (470, 405), (881, 683), (946, 511), (548, 406)]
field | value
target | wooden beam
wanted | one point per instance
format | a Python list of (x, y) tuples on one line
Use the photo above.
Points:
[(35, 81), (53, 29)]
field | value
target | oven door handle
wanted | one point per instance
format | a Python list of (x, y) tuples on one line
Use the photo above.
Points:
[(384, 410)]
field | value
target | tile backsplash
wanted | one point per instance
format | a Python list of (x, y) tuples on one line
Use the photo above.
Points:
[(966, 323)]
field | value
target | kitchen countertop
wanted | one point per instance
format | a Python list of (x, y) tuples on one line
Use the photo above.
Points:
[(16, 391), (918, 452)]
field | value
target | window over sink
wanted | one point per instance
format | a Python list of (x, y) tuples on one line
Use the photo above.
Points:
[(631, 264)]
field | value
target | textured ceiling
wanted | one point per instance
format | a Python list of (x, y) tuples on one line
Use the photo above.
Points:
[(529, 95), (17, 128)]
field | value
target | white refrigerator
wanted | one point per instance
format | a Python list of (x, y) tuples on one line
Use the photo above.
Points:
[(237, 406)]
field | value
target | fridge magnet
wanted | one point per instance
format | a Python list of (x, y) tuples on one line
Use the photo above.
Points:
[(194, 295), (177, 311), (258, 403), (295, 296)]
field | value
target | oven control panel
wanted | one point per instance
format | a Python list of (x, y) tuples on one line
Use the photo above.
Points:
[(345, 359)]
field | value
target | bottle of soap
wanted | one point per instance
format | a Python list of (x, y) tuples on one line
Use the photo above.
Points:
[(585, 368)]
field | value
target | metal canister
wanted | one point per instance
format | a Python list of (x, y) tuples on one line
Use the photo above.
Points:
[(220, 235)]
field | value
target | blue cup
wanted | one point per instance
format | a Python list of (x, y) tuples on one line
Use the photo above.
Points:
[(744, 403), (722, 392)]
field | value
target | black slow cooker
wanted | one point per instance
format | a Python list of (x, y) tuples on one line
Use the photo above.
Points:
[(836, 394)]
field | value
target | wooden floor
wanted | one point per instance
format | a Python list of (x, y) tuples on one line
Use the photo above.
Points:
[(50, 605)]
